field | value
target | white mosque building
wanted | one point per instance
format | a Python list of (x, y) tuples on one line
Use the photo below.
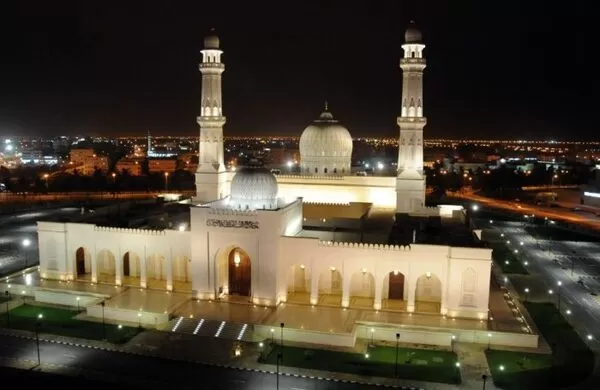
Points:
[(244, 235)]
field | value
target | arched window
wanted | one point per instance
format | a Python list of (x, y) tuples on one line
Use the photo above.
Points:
[(324, 170)]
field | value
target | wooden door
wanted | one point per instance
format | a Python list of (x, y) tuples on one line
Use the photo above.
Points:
[(396, 287)]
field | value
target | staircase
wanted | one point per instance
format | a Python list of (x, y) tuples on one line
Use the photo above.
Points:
[(212, 328)]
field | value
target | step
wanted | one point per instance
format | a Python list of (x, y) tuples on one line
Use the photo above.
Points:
[(208, 328)]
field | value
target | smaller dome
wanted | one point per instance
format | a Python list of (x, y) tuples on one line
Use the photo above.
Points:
[(211, 41), (253, 188), (412, 34)]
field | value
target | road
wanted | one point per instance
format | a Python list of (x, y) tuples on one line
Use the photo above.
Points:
[(552, 261), (15, 229), (75, 196), (174, 374), (580, 218)]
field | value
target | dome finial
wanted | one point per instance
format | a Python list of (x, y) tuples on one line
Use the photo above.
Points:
[(326, 106)]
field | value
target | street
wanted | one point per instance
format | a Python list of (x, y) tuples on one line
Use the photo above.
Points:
[(160, 372), (18, 237), (552, 262), (584, 219)]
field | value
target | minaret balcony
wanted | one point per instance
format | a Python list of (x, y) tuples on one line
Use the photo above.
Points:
[(212, 65), (211, 121)]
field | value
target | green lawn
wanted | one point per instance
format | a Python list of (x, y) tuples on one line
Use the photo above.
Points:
[(61, 322), (571, 360), (507, 260), (413, 364)]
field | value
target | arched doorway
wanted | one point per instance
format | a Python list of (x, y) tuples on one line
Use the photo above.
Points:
[(428, 294), (240, 276), (80, 261), (394, 291), (396, 286), (126, 267)]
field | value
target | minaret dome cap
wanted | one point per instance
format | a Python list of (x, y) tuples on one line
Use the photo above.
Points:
[(412, 34), (211, 41)]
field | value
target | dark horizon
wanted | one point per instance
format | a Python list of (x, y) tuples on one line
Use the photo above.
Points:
[(494, 70)]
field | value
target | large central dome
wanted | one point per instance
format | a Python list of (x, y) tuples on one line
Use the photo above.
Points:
[(325, 147), (253, 188)]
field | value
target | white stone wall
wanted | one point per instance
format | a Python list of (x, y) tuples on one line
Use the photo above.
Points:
[(378, 190), (458, 277), (162, 255)]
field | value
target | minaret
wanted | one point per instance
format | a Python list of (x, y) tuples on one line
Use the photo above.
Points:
[(149, 147), (410, 182), (211, 175)]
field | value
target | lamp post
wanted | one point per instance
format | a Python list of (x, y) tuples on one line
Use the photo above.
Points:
[(277, 375), (526, 292), (77, 299), (489, 341), (46, 179), (550, 292), (452, 339), (272, 336), (103, 323), (372, 337), (166, 181), (281, 336), (26, 242), (37, 336), (396, 364), (7, 311), (140, 320), (484, 379)]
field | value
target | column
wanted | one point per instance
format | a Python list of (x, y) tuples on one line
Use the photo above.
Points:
[(94, 266), (143, 283), (170, 271), (314, 287), (410, 307), (378, 293), (119, 268), (346, 290)]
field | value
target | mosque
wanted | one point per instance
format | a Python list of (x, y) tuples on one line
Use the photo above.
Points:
[(247, 234)]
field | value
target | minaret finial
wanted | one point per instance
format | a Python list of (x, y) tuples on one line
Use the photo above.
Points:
[(326, 106)]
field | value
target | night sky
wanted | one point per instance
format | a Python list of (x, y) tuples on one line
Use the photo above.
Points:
[(496, 69)]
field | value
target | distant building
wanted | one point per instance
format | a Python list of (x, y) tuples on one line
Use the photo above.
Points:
[(37, 157), (158, 165), (86, 161), (131, 166)]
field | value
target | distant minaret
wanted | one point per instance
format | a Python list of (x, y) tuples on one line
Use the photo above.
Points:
[(211, 176), (149, 147), (410, 182)]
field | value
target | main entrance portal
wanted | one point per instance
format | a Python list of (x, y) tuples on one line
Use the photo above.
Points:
[(240, 276)]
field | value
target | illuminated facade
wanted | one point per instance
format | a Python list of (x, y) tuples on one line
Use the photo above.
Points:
[(244, 237), (410, 183)]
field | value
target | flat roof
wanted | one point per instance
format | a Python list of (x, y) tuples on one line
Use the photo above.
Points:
[(330, 211)]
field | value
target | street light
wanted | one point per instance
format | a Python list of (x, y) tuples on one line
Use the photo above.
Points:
[(140, 320), (489, 341), (278, 358), (452, 339), (37, 336), (484, 379), (77, 299), (550, 292), (372, 337), (26, 242), (590, 337), (559, 283), (396, 365), (281, 336), (272, 336), (166, 181), (526, 292)]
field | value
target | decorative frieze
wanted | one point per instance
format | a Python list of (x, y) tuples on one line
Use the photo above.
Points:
[(231, 223)]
